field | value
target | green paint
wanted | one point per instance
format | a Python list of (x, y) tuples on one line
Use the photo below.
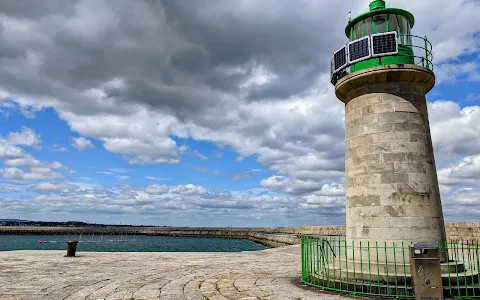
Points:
[(382, 19), (379, 9), (333, 252)]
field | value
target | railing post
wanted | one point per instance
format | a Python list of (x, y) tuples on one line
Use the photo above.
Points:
[(426, 51)]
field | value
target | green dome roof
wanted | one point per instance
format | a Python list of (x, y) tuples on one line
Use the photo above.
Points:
[(377, 7)]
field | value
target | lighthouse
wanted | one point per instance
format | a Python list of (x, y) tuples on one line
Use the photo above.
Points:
[(395, 243), (392, 190)]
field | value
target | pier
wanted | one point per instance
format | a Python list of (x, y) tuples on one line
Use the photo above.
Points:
[(269, 274)]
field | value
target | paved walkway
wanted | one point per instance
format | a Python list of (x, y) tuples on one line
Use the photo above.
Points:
[(269, 274)]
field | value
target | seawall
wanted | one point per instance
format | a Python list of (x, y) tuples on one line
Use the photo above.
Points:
[(270, 236)]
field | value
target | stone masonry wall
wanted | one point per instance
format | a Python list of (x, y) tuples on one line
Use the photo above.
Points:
[(391, 182)]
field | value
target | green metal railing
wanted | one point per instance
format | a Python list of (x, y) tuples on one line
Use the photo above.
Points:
[(412, 49), (383, 269), (421, 53)]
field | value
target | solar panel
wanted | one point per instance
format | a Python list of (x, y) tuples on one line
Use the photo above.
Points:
[(359, 50), (384, 44), (339, 60)]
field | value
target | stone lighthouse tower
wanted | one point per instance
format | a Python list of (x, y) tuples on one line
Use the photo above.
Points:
[(392, 196), (392, 191)]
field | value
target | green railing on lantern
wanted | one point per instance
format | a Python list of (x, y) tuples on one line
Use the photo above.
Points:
[(383, 269), (412, 49)]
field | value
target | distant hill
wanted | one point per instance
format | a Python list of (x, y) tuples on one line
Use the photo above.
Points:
[(14, 220)]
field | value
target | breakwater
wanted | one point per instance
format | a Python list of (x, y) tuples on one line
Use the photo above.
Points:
[(269, 236), (272, 237)]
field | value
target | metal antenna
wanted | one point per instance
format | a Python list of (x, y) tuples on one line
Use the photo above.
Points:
[(349, 15)]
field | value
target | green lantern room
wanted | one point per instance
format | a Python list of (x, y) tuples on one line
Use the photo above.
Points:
[(381, 36)]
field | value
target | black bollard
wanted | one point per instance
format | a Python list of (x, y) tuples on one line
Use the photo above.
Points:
[(72, 248)]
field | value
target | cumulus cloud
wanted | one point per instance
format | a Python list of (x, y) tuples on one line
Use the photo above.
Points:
[(199, 155), (20, 165), (227, 73), (292, 186), (35, 173), (82, 144), (57, 148), (455, 131), (174, 205), (464, 173), (26, 137), (53, 187), (157, 189)]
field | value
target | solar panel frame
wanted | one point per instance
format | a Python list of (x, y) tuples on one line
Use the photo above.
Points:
[(344, 65), (364, 56), (391, 33)]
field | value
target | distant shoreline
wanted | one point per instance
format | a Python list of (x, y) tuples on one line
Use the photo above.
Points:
[(269, 236)]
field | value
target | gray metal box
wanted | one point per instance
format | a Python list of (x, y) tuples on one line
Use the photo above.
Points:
[(426, 273)]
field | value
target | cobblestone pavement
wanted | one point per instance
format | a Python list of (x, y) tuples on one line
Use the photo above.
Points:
[(267, 274)]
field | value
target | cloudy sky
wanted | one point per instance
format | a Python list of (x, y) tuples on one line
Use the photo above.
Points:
[(207, 113)]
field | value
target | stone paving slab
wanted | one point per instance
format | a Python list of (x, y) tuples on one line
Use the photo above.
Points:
[(269, 274)]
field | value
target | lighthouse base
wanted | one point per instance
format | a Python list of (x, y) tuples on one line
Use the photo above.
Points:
[(331, 264)]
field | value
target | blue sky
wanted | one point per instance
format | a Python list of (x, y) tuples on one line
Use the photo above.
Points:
[(203, 162), (215, 116)]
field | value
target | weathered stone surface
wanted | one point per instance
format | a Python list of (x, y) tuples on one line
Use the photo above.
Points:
[(393, 190), (269, 274)]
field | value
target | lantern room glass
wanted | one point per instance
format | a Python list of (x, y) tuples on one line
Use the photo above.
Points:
[(380, 22)]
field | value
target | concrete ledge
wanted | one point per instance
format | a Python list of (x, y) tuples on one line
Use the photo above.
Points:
[(359, 81)]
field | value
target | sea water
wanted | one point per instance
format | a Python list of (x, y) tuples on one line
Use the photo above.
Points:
[(117, 243)]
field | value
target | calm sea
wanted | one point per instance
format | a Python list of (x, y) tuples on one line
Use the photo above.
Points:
[(139, 243)]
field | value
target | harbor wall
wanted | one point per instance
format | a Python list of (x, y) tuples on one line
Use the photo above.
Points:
[(270, 236)]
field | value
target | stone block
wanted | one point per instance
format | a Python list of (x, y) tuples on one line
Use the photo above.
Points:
[(356, 191), (407, 126), (351, 153), (420, 178), (355, 201), (361, 140), (349, 183), (353, 132), (417, 156), (394, 178), (393, 117), (386, 234), (405, 107), (366, 120), (380, 168), (418, 137), (393, 157), (353, 172), (368, 159), (417, 167), (377, 108), (368, 99), (405, 189), (416, 118), (417, 199), (353, 114), (373, 149), (409, 147), (391, 137), (380, 189), (376, 128), (369, 179)]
